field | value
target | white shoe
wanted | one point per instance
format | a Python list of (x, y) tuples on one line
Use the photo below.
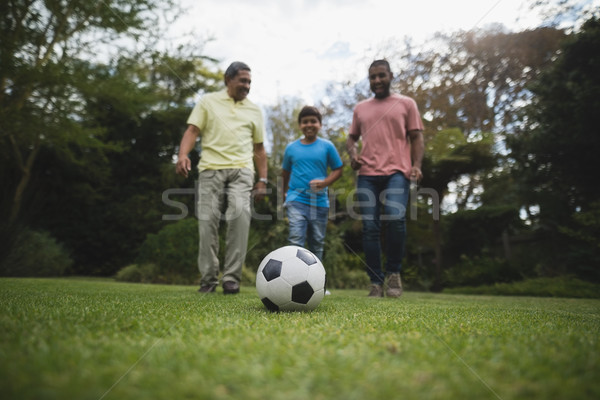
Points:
[(327, 292)]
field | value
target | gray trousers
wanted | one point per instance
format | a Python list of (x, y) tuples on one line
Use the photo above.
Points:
[(223, 195)]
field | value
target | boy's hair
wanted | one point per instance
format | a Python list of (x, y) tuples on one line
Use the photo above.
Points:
[(234, 68), (383, 62), (310, 111)]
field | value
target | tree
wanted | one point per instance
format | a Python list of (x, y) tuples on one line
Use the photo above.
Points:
[(556, 154), (86, 141), (282, 128), (43, 76), (448, 157)]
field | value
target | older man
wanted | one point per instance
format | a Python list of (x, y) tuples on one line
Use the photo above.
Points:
[(231, 129)]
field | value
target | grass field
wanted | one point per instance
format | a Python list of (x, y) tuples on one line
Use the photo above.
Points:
[(94, 339)]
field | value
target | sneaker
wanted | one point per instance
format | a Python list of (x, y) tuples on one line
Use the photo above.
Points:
[(376, 290), (231, 287), (327, 292), (207, 288), (394, 286)]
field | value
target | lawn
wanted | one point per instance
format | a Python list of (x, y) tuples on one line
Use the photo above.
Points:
[(97, 339)]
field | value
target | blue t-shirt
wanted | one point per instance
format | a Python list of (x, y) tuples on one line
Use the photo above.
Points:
[(306, 162)]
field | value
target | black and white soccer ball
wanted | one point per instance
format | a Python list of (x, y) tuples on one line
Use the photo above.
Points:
[(291, 278)]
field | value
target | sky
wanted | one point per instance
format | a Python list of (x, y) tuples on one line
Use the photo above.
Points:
[(294, 47)]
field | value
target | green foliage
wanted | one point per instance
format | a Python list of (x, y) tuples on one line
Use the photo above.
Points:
[(345, 270), (479, 270), (145, 273), (110, 125), (559, 167), (582, 242), (35, 253), (471, 231), (565, 286), (44, 76), (174, 252), (556, 153)]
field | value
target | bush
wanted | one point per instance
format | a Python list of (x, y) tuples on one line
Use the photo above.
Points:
[(35, 253), (173, 251), (345, 271), (565, 286), (480, 270), (145, 273)]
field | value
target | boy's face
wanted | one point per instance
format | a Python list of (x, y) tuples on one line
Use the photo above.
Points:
[(310, 127)]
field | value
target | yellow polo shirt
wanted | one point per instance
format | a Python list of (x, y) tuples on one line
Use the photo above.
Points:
[(228, 130)]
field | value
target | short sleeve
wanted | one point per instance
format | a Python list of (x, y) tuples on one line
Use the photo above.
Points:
[(198, 116), (287, 159), (333, 157)]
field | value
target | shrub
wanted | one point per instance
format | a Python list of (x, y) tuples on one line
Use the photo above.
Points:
[(565, 286), (345, 271), (479, 270), (173, 251), (145, 273), (35, 253)]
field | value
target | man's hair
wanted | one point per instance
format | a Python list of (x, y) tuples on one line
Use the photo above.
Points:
[(383, 62), (234, 68), (309, 111)]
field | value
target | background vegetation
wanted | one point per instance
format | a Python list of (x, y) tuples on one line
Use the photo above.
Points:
[(87, 138)]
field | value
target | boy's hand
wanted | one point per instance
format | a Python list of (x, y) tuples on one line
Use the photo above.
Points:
[(317, 185)]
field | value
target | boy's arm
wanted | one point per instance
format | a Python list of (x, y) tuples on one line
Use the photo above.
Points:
[(319, 184), (285, 175)]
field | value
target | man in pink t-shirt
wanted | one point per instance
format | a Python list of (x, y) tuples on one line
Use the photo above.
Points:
[(392, 151)]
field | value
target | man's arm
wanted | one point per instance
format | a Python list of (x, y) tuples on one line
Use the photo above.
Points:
[(260, 160), (351, 147), (188, 142), (417, 150)]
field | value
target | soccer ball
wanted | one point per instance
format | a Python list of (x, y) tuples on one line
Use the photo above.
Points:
[(290, 278)]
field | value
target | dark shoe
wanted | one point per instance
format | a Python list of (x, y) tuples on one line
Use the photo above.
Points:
[(394, 286), (207, 289), (231, 287), (376, 290)]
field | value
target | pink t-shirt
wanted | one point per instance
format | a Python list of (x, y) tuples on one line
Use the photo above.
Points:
[(383, 125)]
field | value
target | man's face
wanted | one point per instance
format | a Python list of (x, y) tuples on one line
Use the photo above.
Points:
[(238, 87), (380, 80)]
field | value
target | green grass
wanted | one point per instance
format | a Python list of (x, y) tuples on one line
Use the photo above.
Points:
[(87, 339)]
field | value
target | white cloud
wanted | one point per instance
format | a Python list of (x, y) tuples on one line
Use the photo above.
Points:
[(293, 46)]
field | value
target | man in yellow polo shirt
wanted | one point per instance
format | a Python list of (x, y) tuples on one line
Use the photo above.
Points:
[(231, 129)]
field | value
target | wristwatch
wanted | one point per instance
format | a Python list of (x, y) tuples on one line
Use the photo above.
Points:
[(263, 180)]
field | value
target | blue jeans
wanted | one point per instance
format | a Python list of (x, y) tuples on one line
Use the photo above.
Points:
[(383, 199), (307, 225)]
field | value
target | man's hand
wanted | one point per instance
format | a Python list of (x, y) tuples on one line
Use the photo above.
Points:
[(355, 164), (415, 174), (259, 191), (188, 141), (317, 185), (184, 166)]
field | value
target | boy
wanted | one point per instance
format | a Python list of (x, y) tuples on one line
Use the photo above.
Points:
[(305, 181)]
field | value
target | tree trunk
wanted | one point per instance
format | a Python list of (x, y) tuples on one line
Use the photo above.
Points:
[(25, 169), (437, 235)]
